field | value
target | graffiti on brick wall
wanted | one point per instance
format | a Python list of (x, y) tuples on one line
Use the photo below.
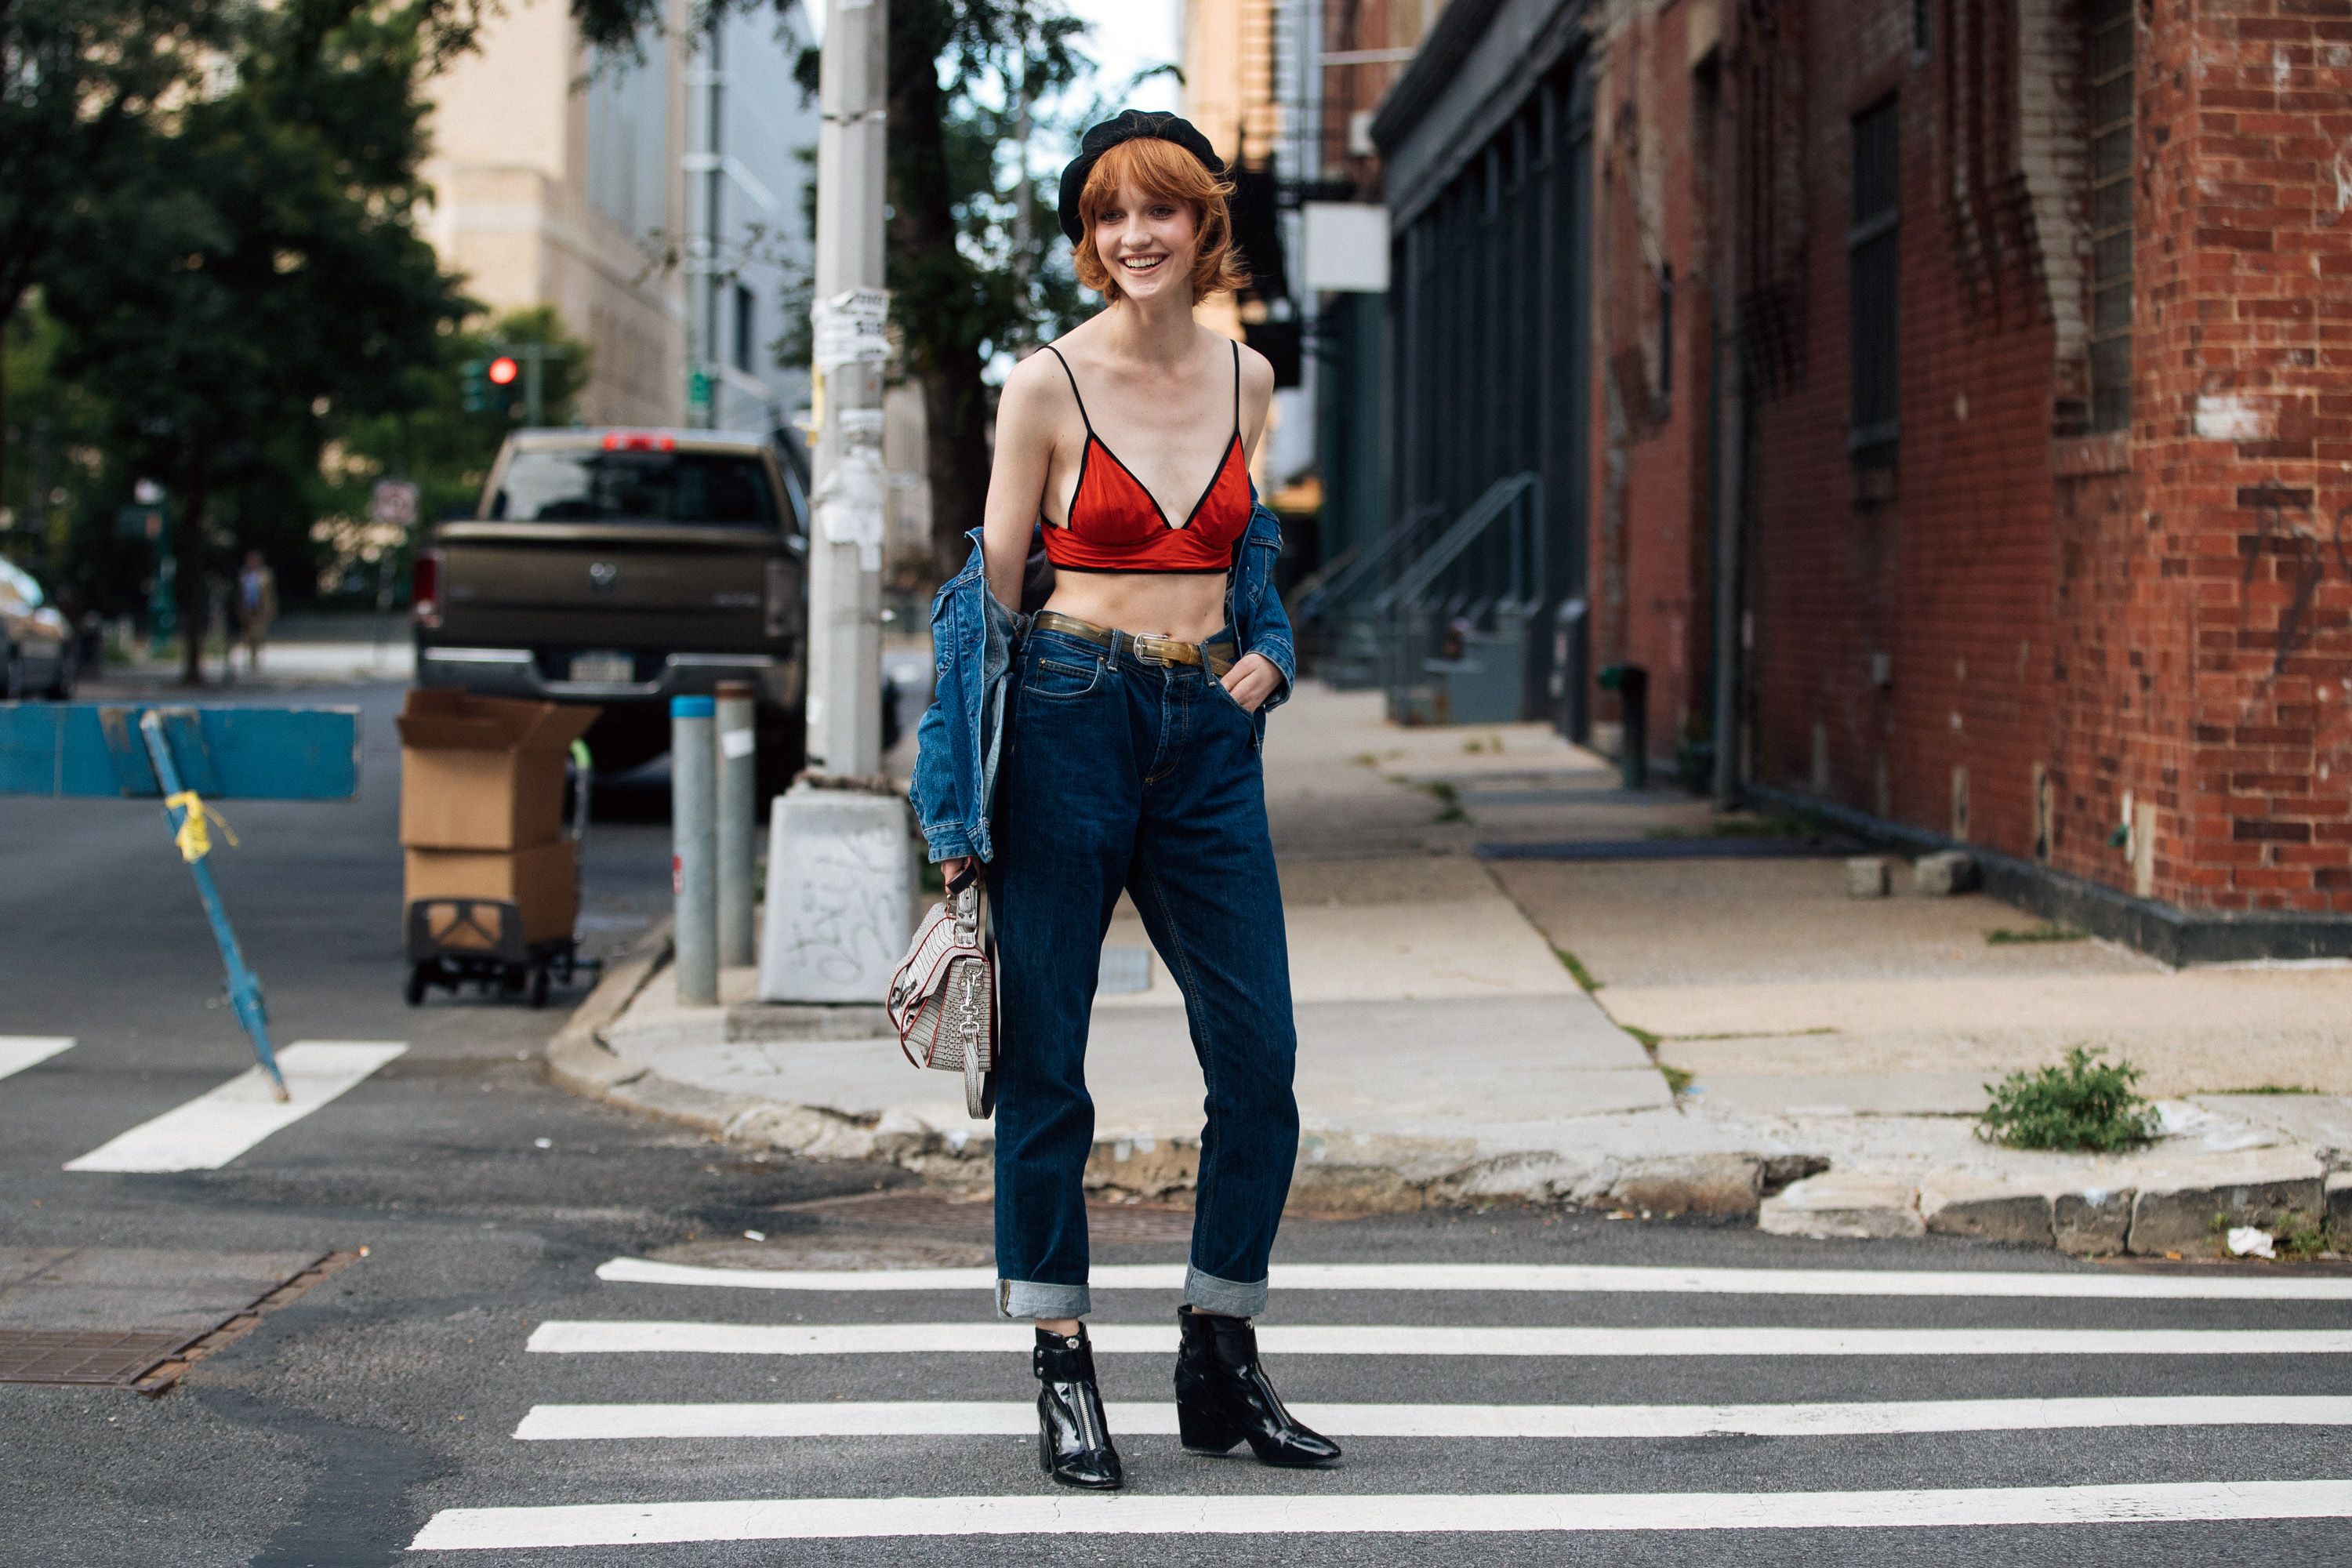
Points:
[(2307, 548)]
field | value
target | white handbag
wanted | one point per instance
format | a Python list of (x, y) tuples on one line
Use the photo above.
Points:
[(943, 997)]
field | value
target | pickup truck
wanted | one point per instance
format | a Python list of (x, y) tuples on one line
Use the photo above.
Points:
[(624, 568)]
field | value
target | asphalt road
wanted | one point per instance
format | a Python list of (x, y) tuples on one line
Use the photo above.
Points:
[(386, 1400)]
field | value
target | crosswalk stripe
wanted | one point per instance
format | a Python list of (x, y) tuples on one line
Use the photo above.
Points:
[(559, 1337), (18, 1052), (945, 1418), (215, 1127), (2099, 1285), (1339, 1513)]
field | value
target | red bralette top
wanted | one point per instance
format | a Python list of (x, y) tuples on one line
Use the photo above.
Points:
[(1115, 525)]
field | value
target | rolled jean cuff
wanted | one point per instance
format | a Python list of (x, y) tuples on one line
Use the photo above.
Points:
[(1035, 1299), (1212, 1294)]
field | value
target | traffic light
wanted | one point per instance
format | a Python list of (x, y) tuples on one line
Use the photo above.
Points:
[(488, 386)]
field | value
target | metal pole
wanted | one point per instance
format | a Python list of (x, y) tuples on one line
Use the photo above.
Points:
[(534, 384), (243, 986), (845, 717), (714, 188), (694, 847), (738, 807)]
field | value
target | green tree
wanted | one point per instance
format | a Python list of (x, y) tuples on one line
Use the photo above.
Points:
[(431, 441), (78, 82), (963, 289), (253, 275)]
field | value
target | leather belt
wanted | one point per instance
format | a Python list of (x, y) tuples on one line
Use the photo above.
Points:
[(1217, 655)]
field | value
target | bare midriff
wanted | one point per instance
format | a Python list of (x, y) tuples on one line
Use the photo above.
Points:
[(1187, 605)]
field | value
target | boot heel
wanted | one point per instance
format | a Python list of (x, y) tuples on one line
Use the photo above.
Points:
[(1203, 1430)]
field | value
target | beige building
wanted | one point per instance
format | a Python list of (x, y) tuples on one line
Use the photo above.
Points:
[(556, 181)]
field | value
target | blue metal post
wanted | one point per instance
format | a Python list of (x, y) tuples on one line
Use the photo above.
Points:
[(243, 986), (694, 837)]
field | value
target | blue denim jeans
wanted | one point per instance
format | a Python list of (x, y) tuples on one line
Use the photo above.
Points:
[(1123, 773)]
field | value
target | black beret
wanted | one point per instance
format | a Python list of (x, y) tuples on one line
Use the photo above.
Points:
[(1126, 126)]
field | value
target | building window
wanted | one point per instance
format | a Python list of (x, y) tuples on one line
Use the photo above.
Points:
[(1873, 274), (2111, 213), (744, 322)]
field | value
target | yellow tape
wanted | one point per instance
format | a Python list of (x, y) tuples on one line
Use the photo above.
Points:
[(194, 838)]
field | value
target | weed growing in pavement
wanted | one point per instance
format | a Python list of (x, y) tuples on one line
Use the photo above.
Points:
[(2087, 1103), (2003, 936), (2267, 1089), (1570, 961), (1678, 1079), (1449, 798)]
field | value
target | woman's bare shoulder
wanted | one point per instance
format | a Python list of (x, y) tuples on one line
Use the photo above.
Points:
[(1257, 372)]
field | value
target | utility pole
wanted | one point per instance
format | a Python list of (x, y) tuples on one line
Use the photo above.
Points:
[(841, 867), (844, 718), (714, 188)]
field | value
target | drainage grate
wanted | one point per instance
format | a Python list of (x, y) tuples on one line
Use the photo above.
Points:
[(62, 1355)]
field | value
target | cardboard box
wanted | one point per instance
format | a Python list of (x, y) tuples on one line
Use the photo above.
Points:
[(541, 880), (483, 772)]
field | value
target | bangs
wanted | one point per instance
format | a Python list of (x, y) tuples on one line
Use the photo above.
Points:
[(1157, 169), (1162, 171)]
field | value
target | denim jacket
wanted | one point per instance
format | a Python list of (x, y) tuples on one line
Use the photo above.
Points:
[(972, 639)]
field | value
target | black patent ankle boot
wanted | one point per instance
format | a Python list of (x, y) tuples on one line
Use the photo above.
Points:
[(1223, 1397), (1073, 1438)]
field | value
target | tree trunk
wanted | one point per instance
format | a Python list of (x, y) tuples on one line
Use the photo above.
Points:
[(191, 586), (939, 307)]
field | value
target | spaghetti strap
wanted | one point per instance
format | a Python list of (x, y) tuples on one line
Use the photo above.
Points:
[(1082, 402), (1237, 389)]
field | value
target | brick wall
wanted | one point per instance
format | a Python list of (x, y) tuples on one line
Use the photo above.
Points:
[(1650, 571), (2024, 636)]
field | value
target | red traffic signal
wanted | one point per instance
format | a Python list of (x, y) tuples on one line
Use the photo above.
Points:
[(503, 371)]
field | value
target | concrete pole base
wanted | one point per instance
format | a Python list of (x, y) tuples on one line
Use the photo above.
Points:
[(841, 907)]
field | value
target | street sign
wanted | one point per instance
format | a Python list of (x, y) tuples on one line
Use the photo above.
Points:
[(697, 388), (393, 502)]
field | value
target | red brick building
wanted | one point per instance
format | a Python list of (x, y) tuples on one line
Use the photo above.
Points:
[(1984, 367)]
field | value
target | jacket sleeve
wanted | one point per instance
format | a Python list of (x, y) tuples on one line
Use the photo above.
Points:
[(932, 791), (1270, 635)]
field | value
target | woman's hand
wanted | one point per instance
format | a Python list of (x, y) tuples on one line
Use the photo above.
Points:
[(951, 867), (1252, 680)]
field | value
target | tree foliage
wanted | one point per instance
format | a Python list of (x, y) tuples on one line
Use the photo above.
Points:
[(251, 274)]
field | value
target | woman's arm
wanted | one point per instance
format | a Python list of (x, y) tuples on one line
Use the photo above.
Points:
[(1026, 419)]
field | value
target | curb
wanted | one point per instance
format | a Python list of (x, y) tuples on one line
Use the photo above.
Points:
[(1781, 1192)]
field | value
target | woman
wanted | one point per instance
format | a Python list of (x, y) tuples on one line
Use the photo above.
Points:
[(1115, 734)]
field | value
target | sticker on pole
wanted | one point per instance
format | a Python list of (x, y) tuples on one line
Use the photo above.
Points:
[(850, 498), (850, 329)]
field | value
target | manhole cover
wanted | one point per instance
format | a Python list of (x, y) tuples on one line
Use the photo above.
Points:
[(59, 1355), (942, 1214)]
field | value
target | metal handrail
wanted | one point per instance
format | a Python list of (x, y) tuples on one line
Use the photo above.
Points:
[(1526, 545), (1347, 576)]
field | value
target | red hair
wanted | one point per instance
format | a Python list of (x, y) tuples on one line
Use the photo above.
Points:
[(1162, 169)]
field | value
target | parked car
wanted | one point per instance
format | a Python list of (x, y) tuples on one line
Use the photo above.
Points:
[(624, 568), (36, 645)]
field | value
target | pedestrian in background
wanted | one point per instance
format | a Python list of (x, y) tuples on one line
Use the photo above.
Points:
[(256, 606), (1133, 708)]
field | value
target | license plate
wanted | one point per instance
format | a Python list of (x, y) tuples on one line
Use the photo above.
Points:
[(603, 669)]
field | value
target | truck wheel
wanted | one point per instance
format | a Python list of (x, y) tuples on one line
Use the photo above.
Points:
[(538, 986), (419, 976)]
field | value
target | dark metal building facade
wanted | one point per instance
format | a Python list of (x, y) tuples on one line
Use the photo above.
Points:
[(1488, 151)]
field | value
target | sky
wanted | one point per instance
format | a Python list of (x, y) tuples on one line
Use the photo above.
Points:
[(1127, 37)]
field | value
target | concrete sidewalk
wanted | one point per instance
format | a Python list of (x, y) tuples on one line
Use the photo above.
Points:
[(1827, 1050)]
